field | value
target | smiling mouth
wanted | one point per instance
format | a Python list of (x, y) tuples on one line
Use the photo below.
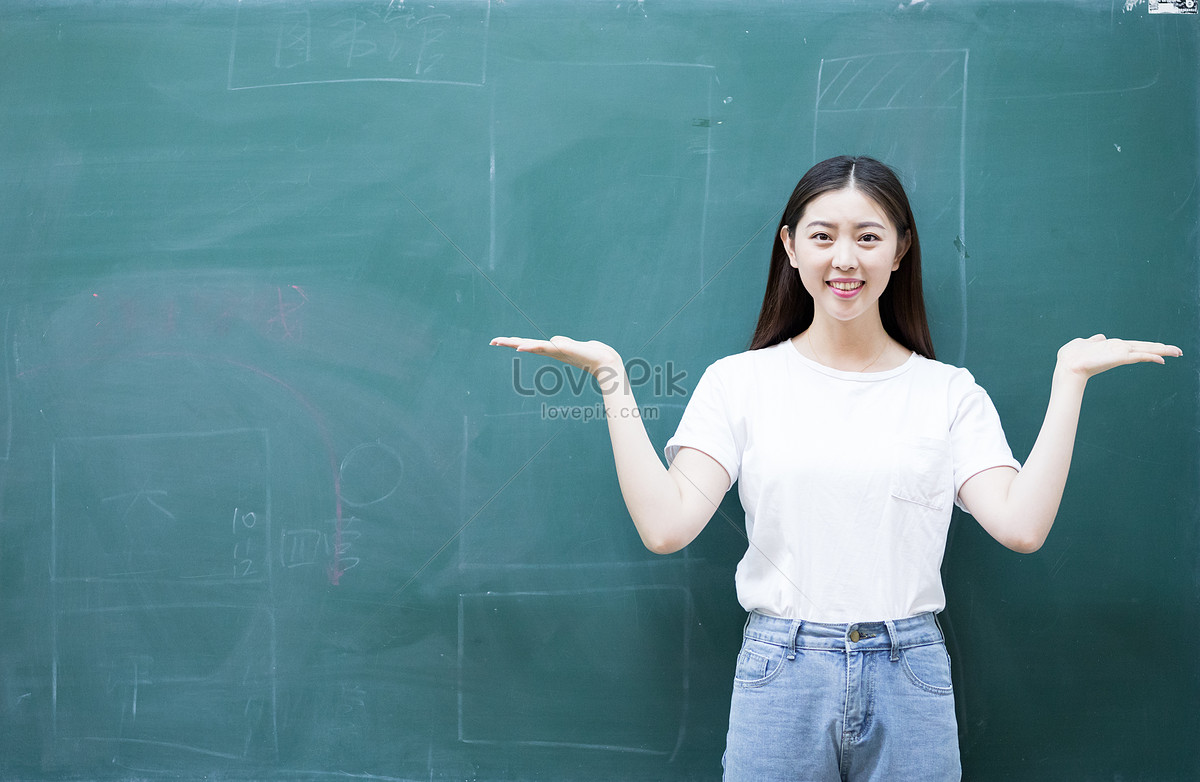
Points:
[(846, 287)]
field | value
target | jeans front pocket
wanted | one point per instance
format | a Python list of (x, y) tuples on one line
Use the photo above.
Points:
[(928, 667), (758, 662)]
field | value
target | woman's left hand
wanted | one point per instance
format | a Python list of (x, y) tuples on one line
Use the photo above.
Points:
[(1087, 357)]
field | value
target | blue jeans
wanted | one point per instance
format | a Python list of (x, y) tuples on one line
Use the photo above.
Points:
[(845, 703)]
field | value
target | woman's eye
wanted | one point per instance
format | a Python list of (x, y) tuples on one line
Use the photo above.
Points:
[(820, 236), (869, 238)]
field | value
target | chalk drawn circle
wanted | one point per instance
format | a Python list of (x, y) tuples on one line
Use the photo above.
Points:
[(370, 473)]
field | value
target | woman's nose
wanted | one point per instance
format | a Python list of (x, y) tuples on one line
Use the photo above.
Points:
[(843, 256)]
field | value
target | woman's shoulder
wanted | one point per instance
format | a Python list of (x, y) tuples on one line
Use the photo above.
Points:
[(738, 364), (956, 378)]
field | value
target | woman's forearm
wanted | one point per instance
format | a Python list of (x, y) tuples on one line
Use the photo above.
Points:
[(1018, 509), (1036, 492)]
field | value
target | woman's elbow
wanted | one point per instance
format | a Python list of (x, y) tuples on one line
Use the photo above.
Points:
[(665, 537), (663, 544), (1024, 541), (668, 530), (1025, 545), (1016, 530)]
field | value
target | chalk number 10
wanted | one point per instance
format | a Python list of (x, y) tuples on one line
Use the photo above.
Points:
[(245, 565)]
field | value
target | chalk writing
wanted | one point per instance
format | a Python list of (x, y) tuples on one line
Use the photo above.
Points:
[(343, 541), (133, 507), (290, 301), (149, 499), (246, 548), (315, 547), (294, 46), (278, 46), (298, 548)]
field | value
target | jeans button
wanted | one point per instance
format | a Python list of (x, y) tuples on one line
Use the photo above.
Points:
[(854, 635)]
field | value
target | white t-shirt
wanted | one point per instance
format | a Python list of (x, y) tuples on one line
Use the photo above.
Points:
[(848, 479)]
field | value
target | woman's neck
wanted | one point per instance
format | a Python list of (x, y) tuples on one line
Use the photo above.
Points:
[(851, 347)]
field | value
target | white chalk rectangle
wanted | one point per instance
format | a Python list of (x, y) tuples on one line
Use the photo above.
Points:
[(603, 669), (182, 508)]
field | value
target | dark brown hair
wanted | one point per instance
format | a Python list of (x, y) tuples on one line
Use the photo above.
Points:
[(787, 307)]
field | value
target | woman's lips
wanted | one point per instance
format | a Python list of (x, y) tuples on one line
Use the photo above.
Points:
[(846, 289)]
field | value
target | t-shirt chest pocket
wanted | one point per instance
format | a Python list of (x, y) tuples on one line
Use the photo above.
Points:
[(922, 472)]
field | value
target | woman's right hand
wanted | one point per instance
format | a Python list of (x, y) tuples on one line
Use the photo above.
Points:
[(591, 356)]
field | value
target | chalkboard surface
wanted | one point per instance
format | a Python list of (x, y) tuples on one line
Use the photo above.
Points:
[(271, 508)]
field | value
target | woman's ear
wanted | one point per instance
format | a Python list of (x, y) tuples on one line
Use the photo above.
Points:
[(785, 236), (902, 249)]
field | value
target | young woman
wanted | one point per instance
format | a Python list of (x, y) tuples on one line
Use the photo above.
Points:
[(850, 445)]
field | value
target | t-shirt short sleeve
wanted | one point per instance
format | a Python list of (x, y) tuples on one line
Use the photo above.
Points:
[(976, 436), (708, 423)]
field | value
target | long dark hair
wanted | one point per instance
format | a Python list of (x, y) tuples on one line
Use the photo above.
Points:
[(787, 307)]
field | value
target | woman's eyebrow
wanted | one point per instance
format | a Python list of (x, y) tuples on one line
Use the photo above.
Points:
[(826, 224)]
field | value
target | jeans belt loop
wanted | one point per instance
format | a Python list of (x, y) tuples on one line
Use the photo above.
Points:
[(891, 630), (791, 653)]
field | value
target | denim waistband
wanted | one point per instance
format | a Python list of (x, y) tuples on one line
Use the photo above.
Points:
[(918, 630)]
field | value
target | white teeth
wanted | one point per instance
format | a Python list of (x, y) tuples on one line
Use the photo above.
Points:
[(846, 286)]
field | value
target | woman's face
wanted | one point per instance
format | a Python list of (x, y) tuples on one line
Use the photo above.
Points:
[(845, 248)]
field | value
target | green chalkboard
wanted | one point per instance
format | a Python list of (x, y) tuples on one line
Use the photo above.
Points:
[(271, 508)]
